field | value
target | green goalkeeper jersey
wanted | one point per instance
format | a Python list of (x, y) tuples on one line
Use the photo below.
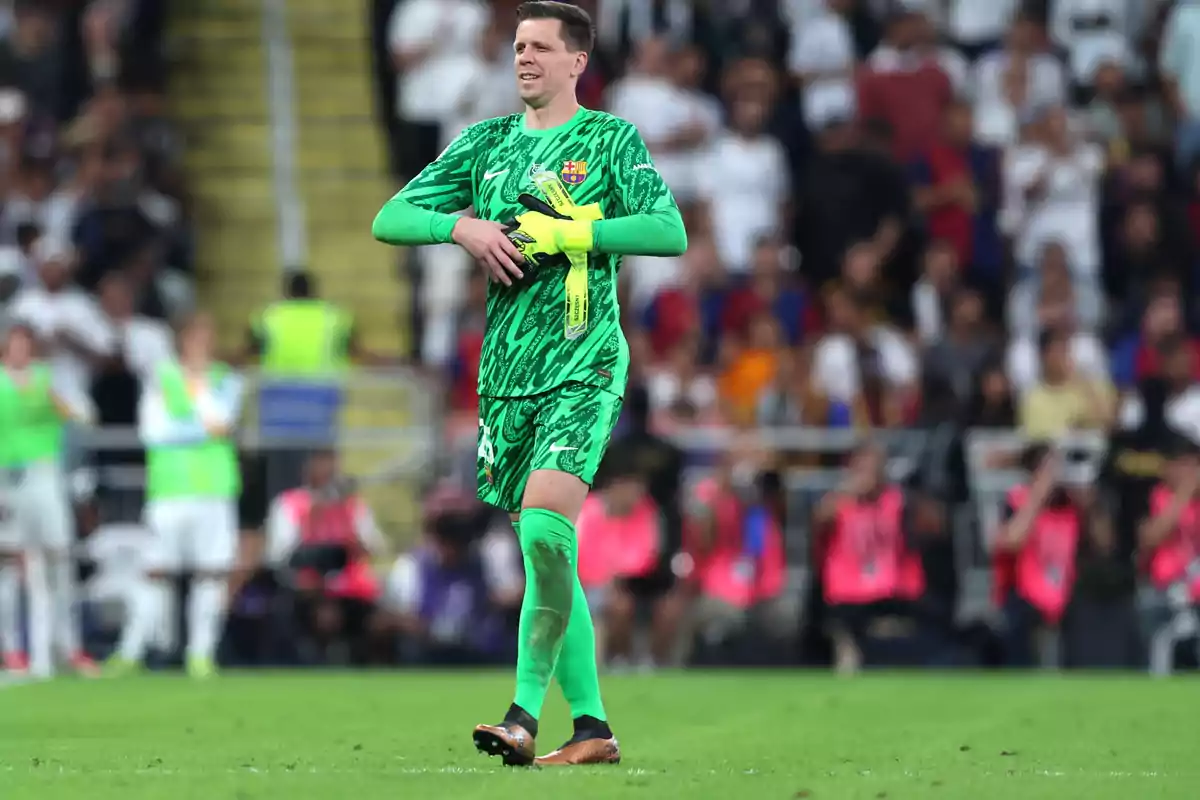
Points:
[(600, 159)]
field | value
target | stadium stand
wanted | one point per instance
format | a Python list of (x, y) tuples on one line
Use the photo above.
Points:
[(947, 232)]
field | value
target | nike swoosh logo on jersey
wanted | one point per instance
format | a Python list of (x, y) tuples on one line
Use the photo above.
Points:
[(487, 176), (558, 448)]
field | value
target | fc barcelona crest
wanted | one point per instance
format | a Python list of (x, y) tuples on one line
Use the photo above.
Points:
[(574, 172)]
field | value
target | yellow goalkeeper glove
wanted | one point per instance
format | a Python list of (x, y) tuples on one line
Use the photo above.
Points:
[(541, 231)]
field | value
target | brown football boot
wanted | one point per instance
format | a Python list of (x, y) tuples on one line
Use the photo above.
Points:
[(583, 751), (509, 740)]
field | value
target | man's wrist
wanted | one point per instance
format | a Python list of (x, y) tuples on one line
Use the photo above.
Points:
[(442, 226)]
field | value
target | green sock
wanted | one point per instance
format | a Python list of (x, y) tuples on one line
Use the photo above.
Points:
[(547, 542), (576, 671)]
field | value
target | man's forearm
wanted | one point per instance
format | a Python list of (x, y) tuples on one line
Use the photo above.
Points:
[(659, 233), (399, 222)]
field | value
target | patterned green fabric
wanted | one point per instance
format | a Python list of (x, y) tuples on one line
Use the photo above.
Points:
[(566, 430), (601, 159)]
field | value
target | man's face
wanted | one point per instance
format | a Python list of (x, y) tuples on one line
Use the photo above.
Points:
[(1162, 317), (54, 273), (116, 299), (749, 116), (968, 311), (321, 469), (545, 65), (198, 339), (18, 349), (866, 466), (1023, 36)]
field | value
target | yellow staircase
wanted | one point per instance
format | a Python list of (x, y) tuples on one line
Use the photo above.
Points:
[(343, 179), (219, 98), (343, 175)]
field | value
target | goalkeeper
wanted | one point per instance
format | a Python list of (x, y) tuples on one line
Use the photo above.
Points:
[(554, 362)]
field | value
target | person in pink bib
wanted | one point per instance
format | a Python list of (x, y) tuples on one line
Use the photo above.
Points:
[(871, 570), (1034, 555), (621, 549)]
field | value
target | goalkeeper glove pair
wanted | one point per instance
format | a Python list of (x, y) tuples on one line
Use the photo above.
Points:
[(542, 232)]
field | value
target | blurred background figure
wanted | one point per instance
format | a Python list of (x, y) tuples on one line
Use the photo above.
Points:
[(321, 539), (872, 570), (454, 599), (956, 227), (622, 538)]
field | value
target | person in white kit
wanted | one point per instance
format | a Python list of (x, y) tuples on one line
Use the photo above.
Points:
[(186, 419), (37, 528)]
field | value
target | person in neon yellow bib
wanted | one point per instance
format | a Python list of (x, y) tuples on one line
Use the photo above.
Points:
[(186, 420), (35, 513)]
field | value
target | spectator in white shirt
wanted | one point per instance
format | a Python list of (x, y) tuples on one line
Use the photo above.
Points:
[(1086, 351), (1050, 291), (488, 89), (1181, 404), (978, 25), (864, 365), (1054, 194), (672, 119), (1092, 32), (1179, 66), (433, 45), (745, 184), (1009, 83), (679, 379), (931, 295), (67, 321), (141, 341), (822, 62)]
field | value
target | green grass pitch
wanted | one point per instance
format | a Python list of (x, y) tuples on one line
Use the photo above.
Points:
[(696, 735)]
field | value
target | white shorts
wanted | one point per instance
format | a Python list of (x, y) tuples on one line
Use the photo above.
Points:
[(200, 534), (35, 510)]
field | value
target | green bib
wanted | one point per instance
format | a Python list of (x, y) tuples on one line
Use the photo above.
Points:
[(31, 429), (207, 468)]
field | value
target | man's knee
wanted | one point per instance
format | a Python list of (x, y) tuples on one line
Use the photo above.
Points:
[(546, 537), (552, 490)]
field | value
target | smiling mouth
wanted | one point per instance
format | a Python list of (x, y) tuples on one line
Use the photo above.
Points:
[(528, 76)]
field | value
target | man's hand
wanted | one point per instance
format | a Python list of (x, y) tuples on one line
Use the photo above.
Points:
[(488, 244)]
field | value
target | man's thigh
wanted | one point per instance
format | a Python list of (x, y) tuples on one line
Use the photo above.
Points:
[(574, 424), (170, 521), (213, 537), (505, 449), (46, 512)]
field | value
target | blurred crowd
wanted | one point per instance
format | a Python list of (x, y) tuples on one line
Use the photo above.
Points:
[(909, 216), (890, 204), (95, 251)]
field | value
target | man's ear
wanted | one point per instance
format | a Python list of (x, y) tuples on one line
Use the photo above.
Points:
[(581, 62)]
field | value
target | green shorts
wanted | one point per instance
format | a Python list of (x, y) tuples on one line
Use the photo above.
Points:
[(566, 429)]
